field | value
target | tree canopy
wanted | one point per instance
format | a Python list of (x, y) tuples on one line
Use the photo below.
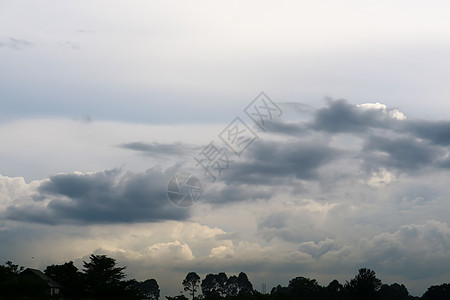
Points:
[(191, 283)]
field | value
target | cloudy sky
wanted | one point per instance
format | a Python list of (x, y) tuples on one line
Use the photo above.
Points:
[(102, 102)]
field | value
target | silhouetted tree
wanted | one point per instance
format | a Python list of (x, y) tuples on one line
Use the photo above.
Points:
[(179, 297), (304, 288), (365, 285), (232, 286), (69, 276), (103, 279), (214, 286), (9, 280), (333, 291), (150, 288), (437, 292), (244, 285), (191, 283), (394, 292), (280, 293)]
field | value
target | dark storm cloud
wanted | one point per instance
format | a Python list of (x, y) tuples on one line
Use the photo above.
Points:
[(16, 44), (236, 193), (404, 153), (102, 197), (269, 162), (340, 116), (437, 132), (406, 144), (159, 149)]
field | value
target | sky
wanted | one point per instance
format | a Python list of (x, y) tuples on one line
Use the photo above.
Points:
[(103, 102)]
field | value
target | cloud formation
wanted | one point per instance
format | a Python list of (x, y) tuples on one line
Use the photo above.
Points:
[(15, 44), (101, 197), (158, 149), (323, 197)]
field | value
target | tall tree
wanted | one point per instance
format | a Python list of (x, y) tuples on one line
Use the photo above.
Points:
[(394, 291), (9, 276), (69, 276), (103, 278), (365, 285), (191, 283), (214, 285), (150, 288), (13, 268), (333, 291), (244, 285), (304, 288), (232, 286)]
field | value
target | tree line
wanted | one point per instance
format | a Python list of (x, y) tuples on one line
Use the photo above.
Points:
[(101, 278)]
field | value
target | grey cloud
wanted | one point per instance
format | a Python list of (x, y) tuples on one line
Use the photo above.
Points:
[(275, 220), (341, 116), (101, 197), (159, 149), (413, 251), (227, 236), (286, 226), (295, 129), (236, 193), (16, 44), (404, 153), (269, 162), (437, 132), (316, 250)]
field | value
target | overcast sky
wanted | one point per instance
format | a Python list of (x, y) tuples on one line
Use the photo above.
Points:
[(102, 102)]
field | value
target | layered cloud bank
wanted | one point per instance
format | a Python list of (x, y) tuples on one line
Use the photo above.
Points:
[(322, 193)]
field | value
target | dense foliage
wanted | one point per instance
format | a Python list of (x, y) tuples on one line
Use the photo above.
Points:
[(102, 279)]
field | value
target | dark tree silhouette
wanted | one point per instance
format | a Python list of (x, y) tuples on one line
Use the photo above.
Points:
[(304, 288), (394, 292), (104, 280), (232, 286), (179, 297), (244, 285), (69, 276), (11, 268), (365, 285), (333, 291), (150, 288), (191, 283), (437, 292), (9, 280), (279, 292), (215, 286)]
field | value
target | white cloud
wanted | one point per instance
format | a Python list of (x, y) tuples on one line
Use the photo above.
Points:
[(171, 250), (380, 178), (14, 190), (391, 113), (222, 252)]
